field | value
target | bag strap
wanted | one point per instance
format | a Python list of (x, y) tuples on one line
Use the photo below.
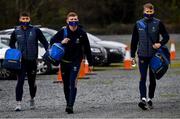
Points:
[(65, 32)]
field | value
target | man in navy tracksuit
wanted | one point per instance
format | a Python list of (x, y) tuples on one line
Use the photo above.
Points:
[(27, 38), (146, 35), (76, 44)]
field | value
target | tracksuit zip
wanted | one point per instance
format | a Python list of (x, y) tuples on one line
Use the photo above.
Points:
[(26, 44), (147, 40)]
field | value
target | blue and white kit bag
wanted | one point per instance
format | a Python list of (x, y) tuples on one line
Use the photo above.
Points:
[(159, 63), (56, 52), (12, 59)]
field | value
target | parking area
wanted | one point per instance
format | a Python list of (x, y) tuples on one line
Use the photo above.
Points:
[(108, 92)]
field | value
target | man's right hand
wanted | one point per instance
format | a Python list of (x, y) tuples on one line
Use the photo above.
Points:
[(65, 41)]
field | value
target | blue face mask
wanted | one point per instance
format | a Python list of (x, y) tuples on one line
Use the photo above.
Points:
[(24, 24), (148, 16), (73, 23)]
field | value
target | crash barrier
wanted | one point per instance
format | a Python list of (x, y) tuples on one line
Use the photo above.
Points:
[(54, 54), (127, 60), (12, 59), (172, 50)]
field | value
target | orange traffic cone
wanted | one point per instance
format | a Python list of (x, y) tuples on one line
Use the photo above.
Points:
[(127, 60), (82, 70), (59, 77), (172, 50)]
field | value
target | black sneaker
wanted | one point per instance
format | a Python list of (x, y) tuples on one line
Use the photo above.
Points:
[(69, 109), (143, 105), (150, 104), (32, 104)]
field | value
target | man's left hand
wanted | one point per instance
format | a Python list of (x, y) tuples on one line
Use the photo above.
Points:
[(156, 45)]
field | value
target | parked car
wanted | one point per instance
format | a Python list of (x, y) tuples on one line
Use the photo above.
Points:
[(42, 67), (116, 50), (99, 53)]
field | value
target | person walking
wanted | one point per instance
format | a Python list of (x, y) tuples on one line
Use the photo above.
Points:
[(26, 36), (146, 40), (76, 44)]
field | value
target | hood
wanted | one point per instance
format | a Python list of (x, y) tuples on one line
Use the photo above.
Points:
[(2, 52), (112, 44)]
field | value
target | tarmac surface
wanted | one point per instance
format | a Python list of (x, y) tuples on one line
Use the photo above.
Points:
[(109, 92)]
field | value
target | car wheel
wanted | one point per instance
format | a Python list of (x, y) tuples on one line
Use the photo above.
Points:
[(43, 67), (6, 74)]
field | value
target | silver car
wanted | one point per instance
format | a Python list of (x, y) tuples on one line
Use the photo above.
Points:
[(99, 53), (42, 67)]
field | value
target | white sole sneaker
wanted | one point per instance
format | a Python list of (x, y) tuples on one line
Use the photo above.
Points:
[(18, 108)]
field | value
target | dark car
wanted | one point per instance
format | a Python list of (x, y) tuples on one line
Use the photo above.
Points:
[(115, 50), (98, 52)]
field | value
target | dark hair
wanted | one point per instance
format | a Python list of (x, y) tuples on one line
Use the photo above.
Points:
[(148, 5), (25, 14)]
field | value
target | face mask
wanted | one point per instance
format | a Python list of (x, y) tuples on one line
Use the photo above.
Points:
[(148, 16), (24, 23), (73, 23)]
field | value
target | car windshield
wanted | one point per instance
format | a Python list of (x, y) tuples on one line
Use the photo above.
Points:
[(92, 38), (8, 32), (3, 46), (47, 35)]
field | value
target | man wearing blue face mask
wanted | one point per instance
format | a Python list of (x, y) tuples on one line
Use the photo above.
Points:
[(27, 38), (76, 44), (146, 38)]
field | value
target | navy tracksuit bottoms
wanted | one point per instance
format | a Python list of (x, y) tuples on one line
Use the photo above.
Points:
[(28, 67), (69, 76), (143, 68)]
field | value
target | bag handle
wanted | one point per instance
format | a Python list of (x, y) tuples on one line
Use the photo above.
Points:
[(65, 32)]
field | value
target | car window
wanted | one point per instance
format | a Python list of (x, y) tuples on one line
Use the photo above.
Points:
[(47, 35), (5, 40)]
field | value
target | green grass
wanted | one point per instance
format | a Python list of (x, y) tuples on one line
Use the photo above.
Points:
[(168, 95), (175, 64), (112, 66)]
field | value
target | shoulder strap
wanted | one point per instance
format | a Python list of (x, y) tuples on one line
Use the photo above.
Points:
[(65, 32), (141, 23)]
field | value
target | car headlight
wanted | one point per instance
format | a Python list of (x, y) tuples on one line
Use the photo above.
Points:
[(104, 51), (114, 50), (96, 50)]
